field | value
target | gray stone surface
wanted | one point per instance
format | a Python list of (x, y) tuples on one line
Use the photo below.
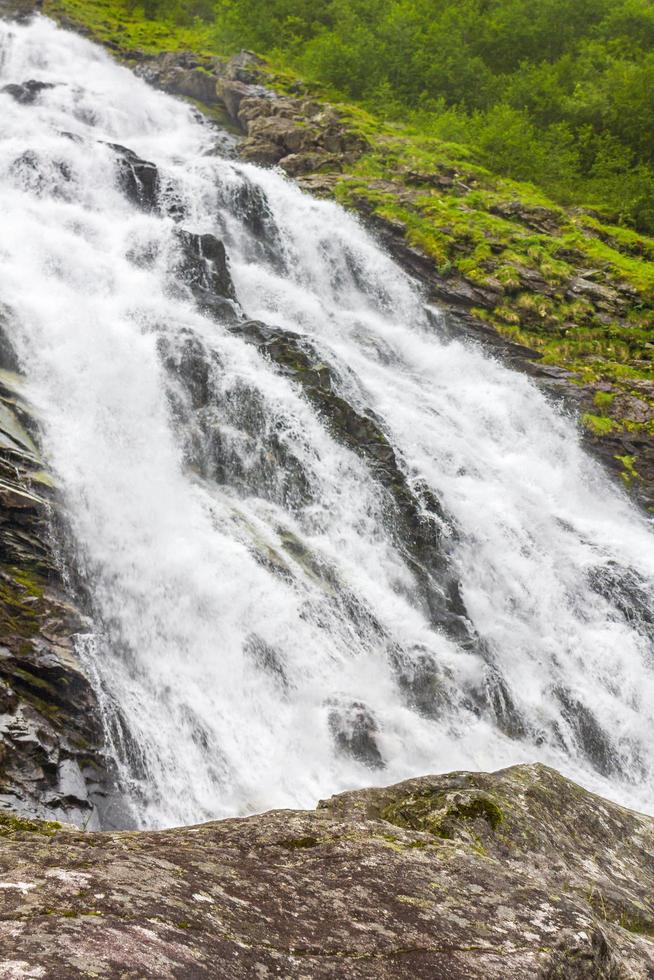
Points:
[(518, 874)]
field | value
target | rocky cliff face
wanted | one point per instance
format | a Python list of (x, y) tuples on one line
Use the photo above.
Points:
[(519, 874), (51, 761)]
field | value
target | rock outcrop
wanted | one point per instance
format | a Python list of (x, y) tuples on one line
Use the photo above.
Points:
[(295, 132), (51, 760), (516, 875)]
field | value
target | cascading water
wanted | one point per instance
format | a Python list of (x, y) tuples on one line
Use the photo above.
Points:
[(326, 552)]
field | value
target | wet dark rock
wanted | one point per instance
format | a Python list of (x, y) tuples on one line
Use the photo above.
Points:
[(247, 450), (587, 731), (188, 360), (28, 92), (42, 175), (268, 660), (496, 695), (423, 532), (625, 589), (517, 875), (248, 203), (353, 728), (613, 448), (203, 267), (423, 682), (138, 179)]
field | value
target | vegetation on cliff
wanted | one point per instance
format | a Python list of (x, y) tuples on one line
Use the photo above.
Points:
[(559, 93)]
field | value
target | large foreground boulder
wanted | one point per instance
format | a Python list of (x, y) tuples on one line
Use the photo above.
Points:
[(518, 874)]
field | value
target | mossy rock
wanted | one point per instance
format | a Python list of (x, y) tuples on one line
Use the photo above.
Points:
[(446, 815)]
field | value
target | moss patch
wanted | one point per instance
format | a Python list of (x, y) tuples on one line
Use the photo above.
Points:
[(10, 825), (440, 814), (123, 23), (21, 602)]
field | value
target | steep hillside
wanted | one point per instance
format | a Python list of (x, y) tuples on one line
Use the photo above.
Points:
[(559, 284)]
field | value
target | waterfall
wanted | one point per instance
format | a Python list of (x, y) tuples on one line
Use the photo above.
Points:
[(324, 545)]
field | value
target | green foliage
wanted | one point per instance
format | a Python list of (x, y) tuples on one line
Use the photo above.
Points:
[(560, 92), (598, 425), (124, 22)]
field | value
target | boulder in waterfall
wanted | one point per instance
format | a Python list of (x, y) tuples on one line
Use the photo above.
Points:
[(247, 202), (138, 179), (426, 685), (28, 92), (354, 730), (268, 660), (190, 362), (587, 732), (203, 267), (514, 875), (42, 175)]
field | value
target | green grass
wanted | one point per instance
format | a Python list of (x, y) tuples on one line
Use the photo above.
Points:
[(113, 20)]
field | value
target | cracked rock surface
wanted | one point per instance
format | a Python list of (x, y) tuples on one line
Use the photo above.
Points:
[(516, 874)]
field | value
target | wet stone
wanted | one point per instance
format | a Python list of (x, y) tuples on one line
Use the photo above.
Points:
[(353, 728), (28, 92), (138, 179), (203, 267)]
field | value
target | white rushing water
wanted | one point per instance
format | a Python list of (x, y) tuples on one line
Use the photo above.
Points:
[(262, 633)]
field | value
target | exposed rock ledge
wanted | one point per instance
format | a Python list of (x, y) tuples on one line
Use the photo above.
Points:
[(518, 874)]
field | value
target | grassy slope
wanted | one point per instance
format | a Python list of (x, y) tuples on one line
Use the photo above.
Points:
[(488, 229), (495, 231)]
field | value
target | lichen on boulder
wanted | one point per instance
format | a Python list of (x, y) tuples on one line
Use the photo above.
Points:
[(515, 875)]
